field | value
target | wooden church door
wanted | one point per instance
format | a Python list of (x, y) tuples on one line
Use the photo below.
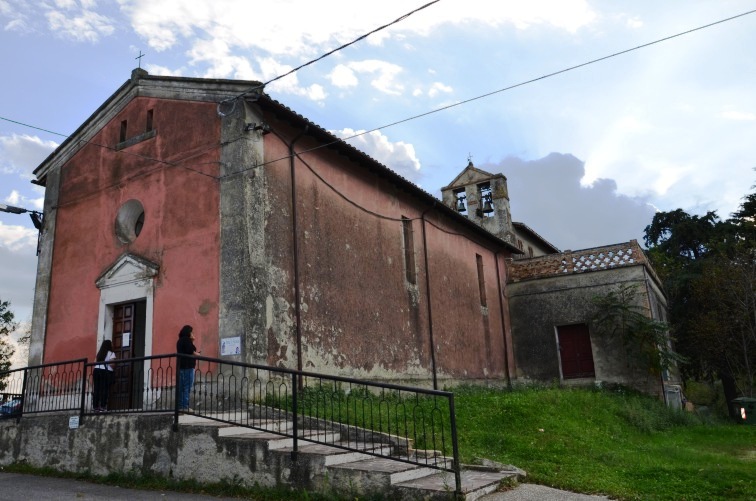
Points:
[(128, 342)]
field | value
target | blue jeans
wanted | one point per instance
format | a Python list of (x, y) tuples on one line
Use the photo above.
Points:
[(186, 380)]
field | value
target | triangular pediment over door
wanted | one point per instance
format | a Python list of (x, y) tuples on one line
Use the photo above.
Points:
[(130, 279), (128, 268)]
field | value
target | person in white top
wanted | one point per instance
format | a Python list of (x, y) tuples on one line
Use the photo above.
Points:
[(102, 376)]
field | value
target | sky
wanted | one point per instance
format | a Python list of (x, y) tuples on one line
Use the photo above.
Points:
[(590, 154)]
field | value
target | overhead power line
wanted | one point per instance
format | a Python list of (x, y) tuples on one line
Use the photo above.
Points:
[(414, 117), (548, 75), (397, 20)]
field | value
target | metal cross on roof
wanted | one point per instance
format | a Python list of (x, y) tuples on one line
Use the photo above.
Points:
[(139, 57)]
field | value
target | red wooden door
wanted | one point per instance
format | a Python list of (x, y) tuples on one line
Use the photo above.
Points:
[(575, 351)]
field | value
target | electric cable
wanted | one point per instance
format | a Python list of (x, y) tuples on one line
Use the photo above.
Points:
[(514, 86), (362, 37), (414, 117)]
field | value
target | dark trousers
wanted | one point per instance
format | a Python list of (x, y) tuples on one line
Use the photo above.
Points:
[(101, 382)]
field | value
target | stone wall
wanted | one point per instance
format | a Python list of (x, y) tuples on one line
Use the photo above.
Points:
[(144, 445)]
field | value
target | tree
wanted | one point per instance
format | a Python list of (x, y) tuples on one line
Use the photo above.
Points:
[(707, 267), (7, 325), (726, 329)]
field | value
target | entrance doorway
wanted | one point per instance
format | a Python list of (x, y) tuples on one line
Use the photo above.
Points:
[(128, 343), (575, 351)]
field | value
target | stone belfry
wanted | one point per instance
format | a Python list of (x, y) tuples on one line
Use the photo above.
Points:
[(483, 198)]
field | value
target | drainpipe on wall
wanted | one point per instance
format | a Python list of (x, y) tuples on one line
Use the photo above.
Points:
[(503, 325), (428, 291), (295, 243)]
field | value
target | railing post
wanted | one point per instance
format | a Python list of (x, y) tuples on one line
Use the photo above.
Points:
[(177, 378), (455, 448), (23, 397), (83, 389), (294, 410)]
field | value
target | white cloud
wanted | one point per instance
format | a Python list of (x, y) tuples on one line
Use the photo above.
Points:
[(154, 69), (384, 74), (437, 88), (17, 238), (17, 199), (220, 33), (78, 22), (21, 153), (634, 23), (17, 19), (343, 77), (13, 198), (399, 156), (738, 115)]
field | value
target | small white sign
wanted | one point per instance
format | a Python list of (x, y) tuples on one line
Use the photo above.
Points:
[(231, 346), (73, 422), (126, 339)]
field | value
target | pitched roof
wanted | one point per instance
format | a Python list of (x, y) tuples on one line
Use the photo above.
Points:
[(524, 228), (474, 175), (217, 90)]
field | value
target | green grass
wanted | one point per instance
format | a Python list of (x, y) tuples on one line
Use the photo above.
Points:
[(617, 443)]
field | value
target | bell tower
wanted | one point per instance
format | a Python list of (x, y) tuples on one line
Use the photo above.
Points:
[(483, 198)]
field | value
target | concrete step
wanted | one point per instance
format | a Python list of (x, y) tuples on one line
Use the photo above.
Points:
[(396, 471), (330, 455), (358, 472), (440, 485)]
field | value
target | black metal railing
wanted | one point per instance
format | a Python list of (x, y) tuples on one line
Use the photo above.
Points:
[(412, 425)]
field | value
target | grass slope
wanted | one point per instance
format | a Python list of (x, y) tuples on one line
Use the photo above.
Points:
[(616, 443)]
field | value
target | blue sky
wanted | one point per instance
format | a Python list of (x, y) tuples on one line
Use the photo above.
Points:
[(589, 154)]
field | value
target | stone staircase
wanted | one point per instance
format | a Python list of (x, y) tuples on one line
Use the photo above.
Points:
[(326, 468)]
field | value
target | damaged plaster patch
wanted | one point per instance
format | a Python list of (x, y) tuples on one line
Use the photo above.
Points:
[(205, 307)]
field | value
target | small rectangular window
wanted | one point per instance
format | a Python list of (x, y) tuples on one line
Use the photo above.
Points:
[(122, 137), (409, 250), (481, 279), (149, 121)]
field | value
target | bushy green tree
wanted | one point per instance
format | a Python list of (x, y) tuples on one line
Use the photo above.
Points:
[(708, 267)]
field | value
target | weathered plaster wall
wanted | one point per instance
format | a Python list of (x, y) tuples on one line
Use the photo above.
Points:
[(539, 306), (180, 234), (360, 315), (246, 274)]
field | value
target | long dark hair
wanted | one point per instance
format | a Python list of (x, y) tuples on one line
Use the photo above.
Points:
[(185, 331), (105, 347)]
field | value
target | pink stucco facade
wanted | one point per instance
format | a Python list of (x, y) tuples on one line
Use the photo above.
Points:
[(180, 232)]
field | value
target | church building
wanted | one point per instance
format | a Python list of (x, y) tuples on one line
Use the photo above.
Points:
[(205, 202)]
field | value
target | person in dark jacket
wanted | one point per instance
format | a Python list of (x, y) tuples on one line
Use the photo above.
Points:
[(185, 346), (102, 376)]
